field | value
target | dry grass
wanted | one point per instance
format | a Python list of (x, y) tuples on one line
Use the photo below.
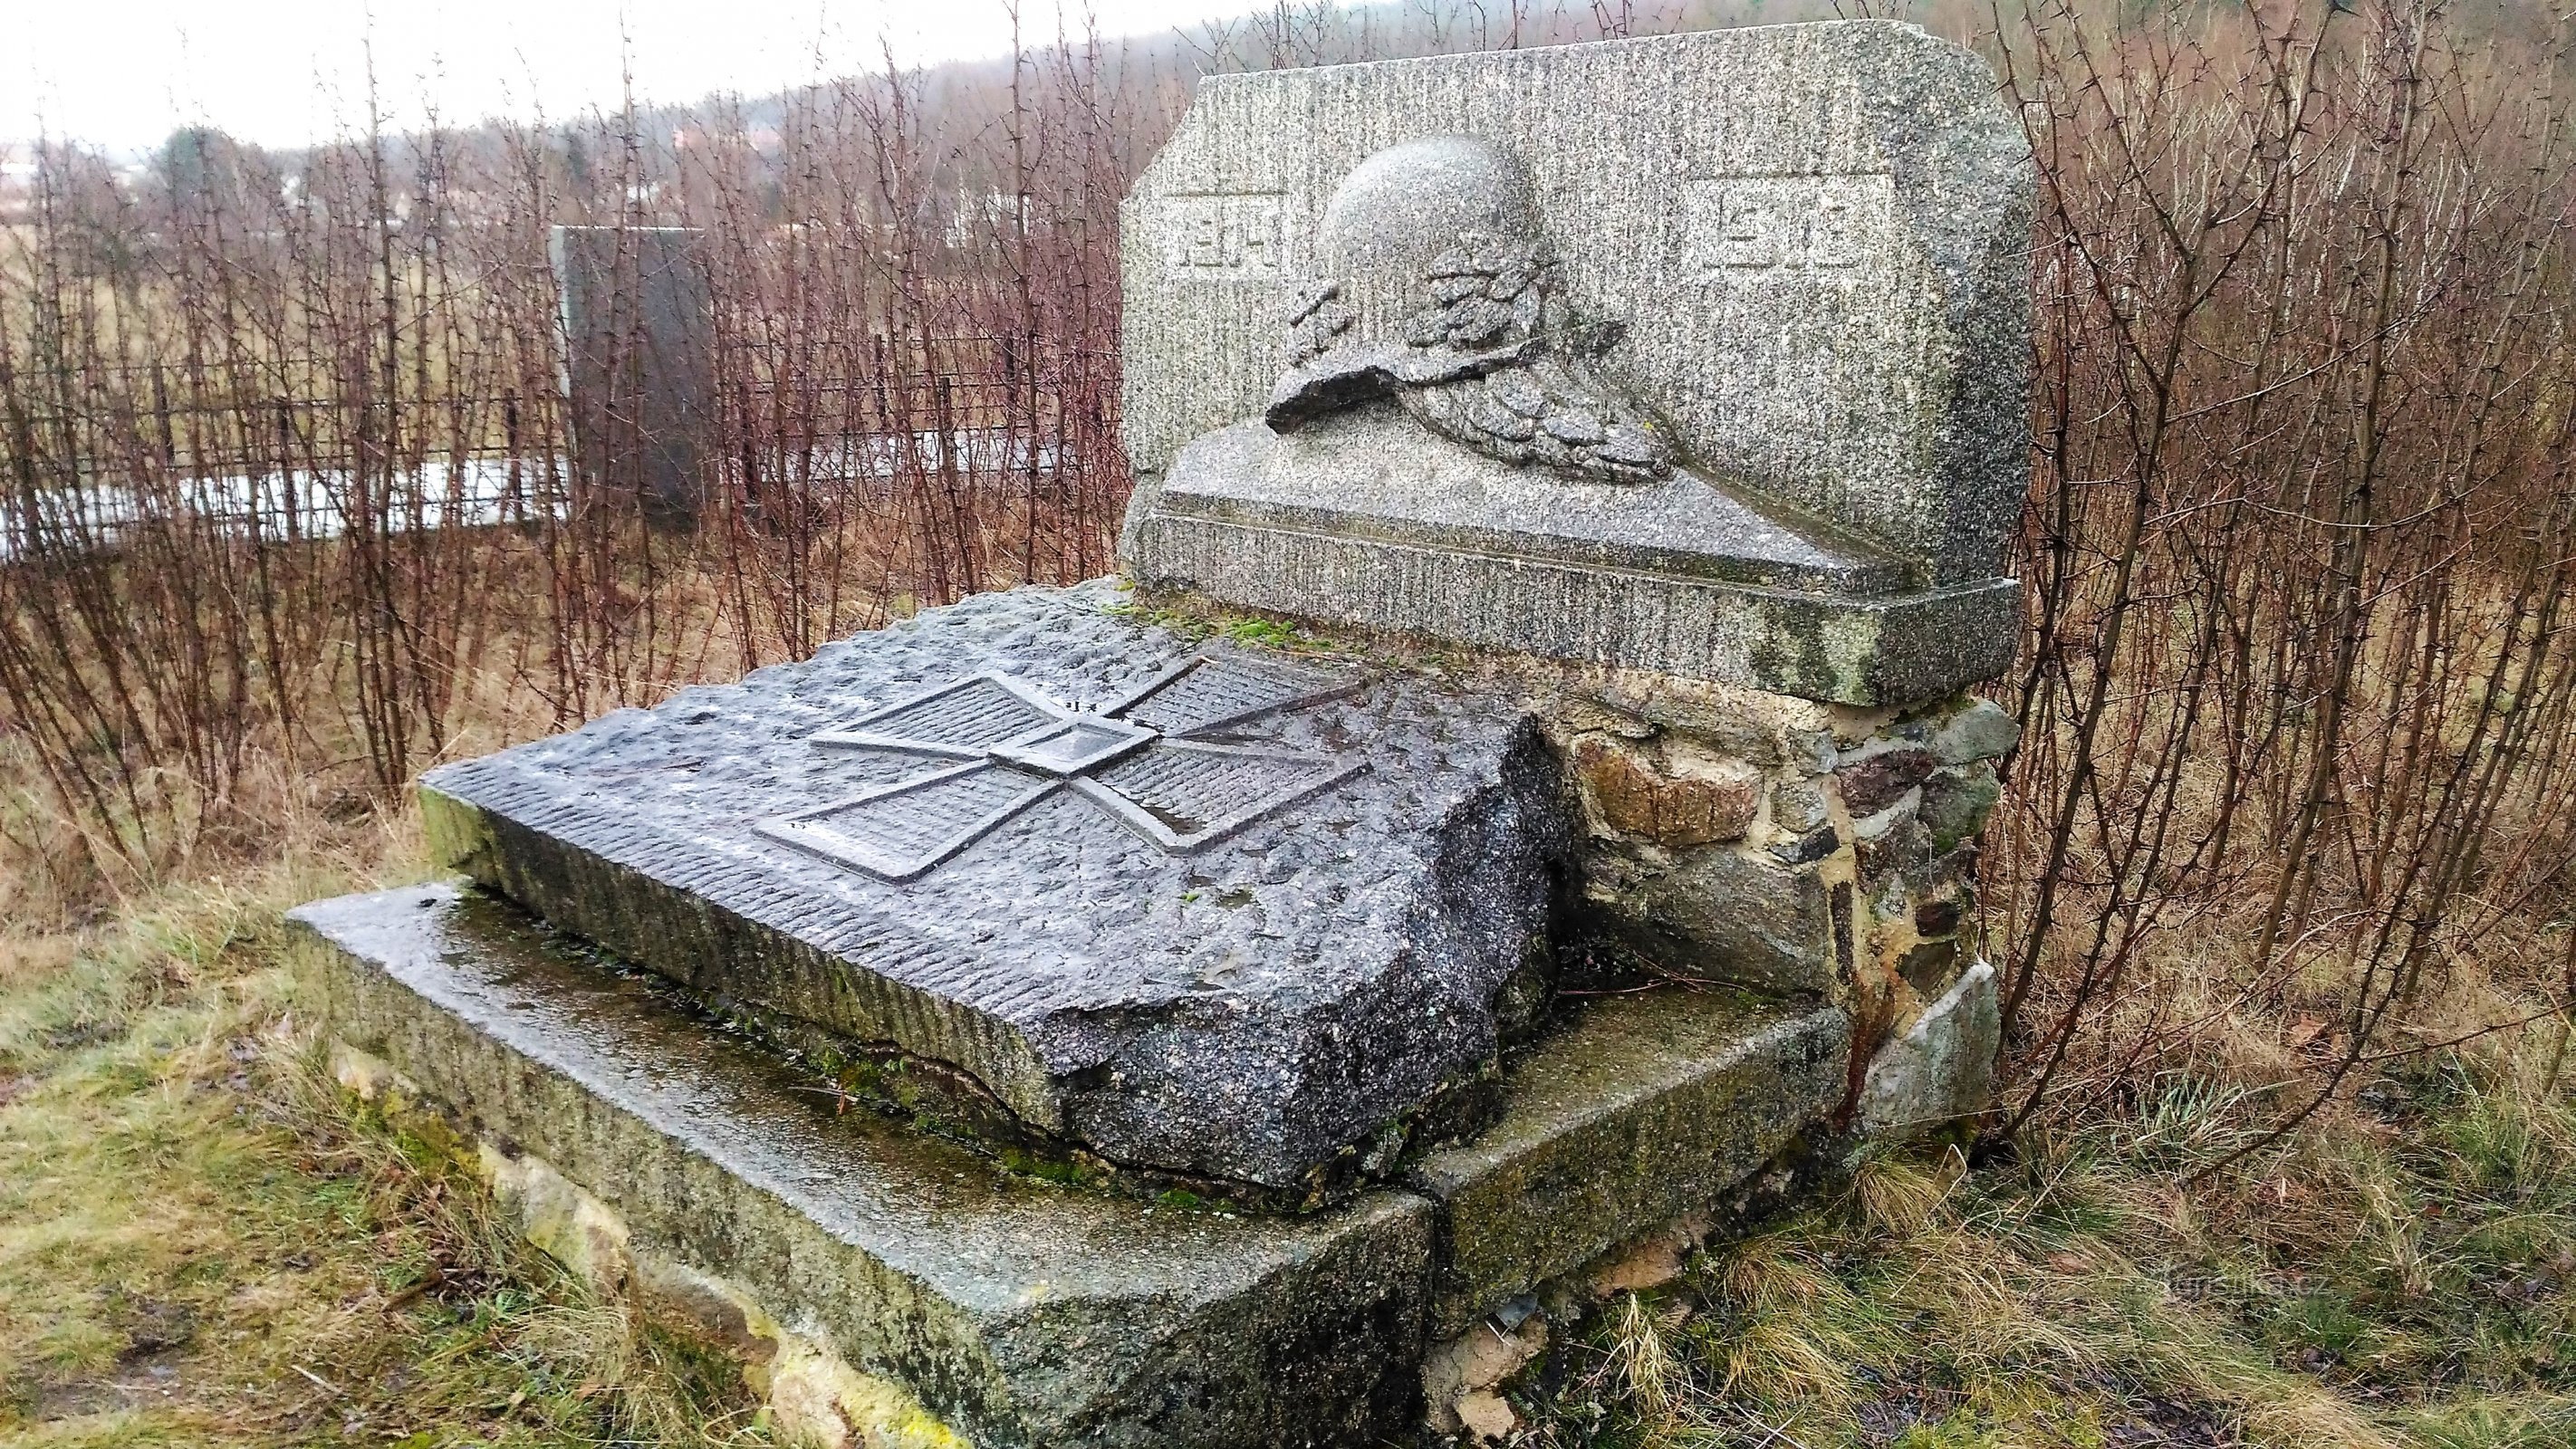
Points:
[(203, 1242), (2288, 835), (2399, 1272)]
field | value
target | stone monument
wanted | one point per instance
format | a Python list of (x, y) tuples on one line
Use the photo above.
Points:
[(1794, 259), (639, 362), (1061, 1019)]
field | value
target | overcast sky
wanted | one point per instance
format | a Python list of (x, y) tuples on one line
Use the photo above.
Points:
[(124, 73)]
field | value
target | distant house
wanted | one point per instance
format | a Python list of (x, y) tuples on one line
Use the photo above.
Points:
[(17, 180)]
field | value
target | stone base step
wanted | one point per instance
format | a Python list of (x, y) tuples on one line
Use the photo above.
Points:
[(1015, 1311), (1641, 1112)]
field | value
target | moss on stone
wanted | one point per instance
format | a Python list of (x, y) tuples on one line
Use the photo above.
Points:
[(1648, 1106)]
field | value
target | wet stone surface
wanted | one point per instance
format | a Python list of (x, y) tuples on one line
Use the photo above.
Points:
[(1193, 906), (1020, 1313)]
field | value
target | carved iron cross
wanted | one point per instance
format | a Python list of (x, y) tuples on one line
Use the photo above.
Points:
[(1170, 762)]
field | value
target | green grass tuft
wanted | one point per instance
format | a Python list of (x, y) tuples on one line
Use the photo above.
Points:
[(2399, 1277)]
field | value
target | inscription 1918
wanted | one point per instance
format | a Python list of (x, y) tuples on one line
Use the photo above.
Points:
[(1742, 224), (1224, 238)]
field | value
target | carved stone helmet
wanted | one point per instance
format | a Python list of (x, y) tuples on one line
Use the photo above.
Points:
[(1400, 210), (1439, 292)]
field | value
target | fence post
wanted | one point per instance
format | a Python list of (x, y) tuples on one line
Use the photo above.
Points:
[(639, 352)]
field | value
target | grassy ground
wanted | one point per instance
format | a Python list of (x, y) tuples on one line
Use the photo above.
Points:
[(2401, 1275), (201, 1242)]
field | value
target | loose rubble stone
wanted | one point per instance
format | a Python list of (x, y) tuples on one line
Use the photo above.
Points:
[(1806, 849), (1460, 1376), (1940, 1070), (1873, 782), (1890, 841), (1488, 1415), (1939, 915), (1735, 916), (1798, 806), (1629, 793), (1956, 802), (1741, 724), (1897, 814), (1811, 750), (1982, 731), (1931, 968), (1653, 1260)]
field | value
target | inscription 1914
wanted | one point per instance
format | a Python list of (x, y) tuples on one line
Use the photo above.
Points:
[(1738, 224), (1224, 238)]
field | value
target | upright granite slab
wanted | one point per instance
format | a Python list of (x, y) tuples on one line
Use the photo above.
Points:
[(1196, 907), (1774, 278), (639, 361)]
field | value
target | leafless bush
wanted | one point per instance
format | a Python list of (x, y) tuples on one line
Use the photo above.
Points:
[(284, 457), (2296, 691), (286, 460)]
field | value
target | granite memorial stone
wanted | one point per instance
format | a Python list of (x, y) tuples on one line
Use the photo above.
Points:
[(1730, 389), (1047, 846), (639, 351)]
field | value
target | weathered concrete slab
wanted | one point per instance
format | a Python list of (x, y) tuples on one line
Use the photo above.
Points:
[(1646, 1109), (1228, 917), (1021, 1313), (1815, 237), (1025, 1313)]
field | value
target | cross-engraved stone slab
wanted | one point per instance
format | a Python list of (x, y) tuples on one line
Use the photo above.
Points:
[(963, 719), (1201, 907), (898, 831), (1189, 794)]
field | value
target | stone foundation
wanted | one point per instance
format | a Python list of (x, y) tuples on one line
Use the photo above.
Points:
[(1786, 845), (911, 1286), (815, 1398)]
